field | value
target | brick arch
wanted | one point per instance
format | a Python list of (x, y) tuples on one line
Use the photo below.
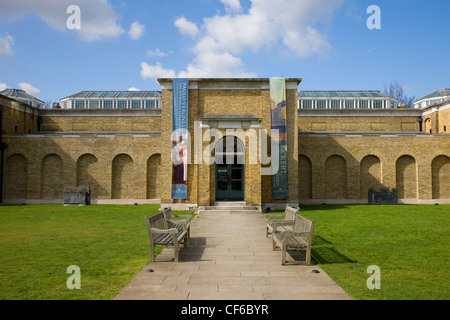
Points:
[(122, 177), (406, 177), (305, 177), (336, 177), (370, 175), (87, 173), (428, 125), (440, 168), (52, 177), (154, 190), (16, 177)]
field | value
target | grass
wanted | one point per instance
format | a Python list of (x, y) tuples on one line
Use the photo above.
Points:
[(38, 244), (409, 243)]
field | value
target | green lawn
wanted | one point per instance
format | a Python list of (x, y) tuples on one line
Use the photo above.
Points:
[(409, 243), (38, 243)]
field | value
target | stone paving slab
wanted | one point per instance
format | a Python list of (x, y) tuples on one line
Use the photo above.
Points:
[(229, 258)]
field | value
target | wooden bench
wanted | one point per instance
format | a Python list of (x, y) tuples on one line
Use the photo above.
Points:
[(299, 238), (165, 233), (167, 212), (286, 221)]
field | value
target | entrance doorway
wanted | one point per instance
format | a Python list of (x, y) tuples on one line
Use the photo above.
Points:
[(230, 169), (229, 182)]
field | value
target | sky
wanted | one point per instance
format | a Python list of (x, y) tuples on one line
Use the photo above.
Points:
[(56, 48)]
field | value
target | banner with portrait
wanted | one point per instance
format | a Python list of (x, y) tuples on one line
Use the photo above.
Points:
[(180, 138)]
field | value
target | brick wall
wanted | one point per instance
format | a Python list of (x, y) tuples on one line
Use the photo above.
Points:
[(336, 166)]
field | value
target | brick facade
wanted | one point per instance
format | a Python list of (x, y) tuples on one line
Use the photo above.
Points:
[(124, 156)]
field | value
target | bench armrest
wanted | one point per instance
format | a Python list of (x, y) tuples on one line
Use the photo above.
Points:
[(281, 223), (183, 223), (164, 231), (274, 215), (295, 234), (187, 216)]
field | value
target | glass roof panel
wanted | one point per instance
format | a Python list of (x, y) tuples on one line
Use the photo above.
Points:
[(137, 94), (96, 94), (334, 94)]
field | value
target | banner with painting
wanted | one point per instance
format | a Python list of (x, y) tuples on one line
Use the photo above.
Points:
[(180, 138)]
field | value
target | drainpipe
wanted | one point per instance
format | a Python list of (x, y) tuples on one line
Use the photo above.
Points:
[(3, 146), (420, 121), (39, 122)]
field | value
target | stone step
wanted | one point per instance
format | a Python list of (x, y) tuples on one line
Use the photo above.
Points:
[(229, 203), (218, 211), (230, 208)]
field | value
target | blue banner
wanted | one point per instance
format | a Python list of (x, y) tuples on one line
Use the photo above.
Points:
[(180, 138)]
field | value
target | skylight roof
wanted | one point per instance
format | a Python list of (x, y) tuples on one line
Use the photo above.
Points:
[(343, 94)]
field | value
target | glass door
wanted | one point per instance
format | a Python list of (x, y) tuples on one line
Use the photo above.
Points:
[(229, 182)]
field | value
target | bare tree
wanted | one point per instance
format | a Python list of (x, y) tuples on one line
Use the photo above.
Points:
[(395, 90)]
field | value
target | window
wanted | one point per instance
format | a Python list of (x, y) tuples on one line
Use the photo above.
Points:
[(150, 104), (321, 104), (107, 104), (93, 104), (378, 104), (349, 104), (136, 104), (307, 104), (335, 104), (79, 104), (121, 104), (363, 104)]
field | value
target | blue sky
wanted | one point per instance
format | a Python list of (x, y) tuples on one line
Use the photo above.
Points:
[(124, 45)]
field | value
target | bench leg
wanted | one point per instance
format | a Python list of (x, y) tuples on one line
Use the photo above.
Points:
[(152, 254), (308, 256), (283, 255)]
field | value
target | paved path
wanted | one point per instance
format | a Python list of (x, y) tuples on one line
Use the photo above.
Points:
[(229, 258)]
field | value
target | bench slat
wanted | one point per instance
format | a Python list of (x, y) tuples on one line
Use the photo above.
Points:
[(157, 238), (300, 238)]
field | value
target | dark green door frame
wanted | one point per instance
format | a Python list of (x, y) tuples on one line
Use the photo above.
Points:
[(229, 182)]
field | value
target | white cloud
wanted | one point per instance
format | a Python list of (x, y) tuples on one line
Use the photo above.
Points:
[(232, 5), (134, 89), (186, 27), (136, 31), (28, 88), (6, 43), (284, 26), (98, 19), (156, 71), (156, 53), (3, 86)]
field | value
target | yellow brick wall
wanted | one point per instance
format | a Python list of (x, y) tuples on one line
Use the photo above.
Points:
[(346, 167), (18, 118), (113, 166), (104, 121), (122, 165), (349, 123)]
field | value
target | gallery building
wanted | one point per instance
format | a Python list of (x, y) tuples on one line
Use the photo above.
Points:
[(199, 141)]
